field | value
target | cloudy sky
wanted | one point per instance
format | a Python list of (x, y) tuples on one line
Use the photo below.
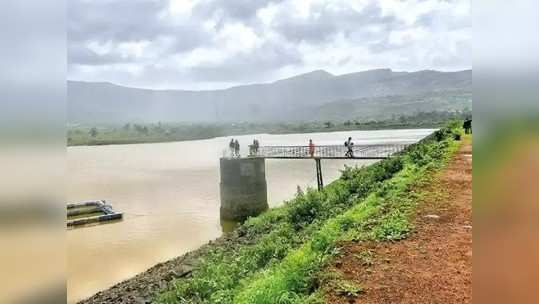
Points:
[(209, 44)]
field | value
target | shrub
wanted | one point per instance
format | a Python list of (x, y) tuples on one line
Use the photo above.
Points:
[(305, 209)]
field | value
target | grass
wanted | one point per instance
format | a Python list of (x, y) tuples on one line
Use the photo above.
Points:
[(277, 257)]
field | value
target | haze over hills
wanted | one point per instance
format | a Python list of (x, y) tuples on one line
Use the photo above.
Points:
[(315, 95)]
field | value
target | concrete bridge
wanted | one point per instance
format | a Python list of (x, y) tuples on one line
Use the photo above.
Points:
[(243, 180)]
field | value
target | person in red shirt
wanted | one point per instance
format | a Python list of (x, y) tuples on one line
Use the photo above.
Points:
[(311, 148)]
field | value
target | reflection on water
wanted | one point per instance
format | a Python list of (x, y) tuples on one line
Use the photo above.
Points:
[(169, 195)]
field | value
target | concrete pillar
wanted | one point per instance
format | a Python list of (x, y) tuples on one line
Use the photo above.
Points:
[(243, 188)]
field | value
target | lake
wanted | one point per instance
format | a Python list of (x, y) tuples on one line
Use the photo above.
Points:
[(169, 194)]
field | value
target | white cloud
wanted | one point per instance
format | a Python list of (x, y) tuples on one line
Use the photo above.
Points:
[(100, 48), (410, 10), (237, 38), (133, 48), (199, 56), (215, 43), (267, 14), (181, 7), (407, 36)]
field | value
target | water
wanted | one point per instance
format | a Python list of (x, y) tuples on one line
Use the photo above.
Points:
[(169, 194)]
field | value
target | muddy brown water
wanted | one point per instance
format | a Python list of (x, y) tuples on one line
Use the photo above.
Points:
[(169, 194)]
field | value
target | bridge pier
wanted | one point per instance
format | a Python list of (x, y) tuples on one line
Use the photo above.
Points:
[(243, 188), (319, 179)]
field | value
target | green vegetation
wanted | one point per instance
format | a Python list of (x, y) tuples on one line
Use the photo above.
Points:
[(277, 257), (388, 107), (166, 132)]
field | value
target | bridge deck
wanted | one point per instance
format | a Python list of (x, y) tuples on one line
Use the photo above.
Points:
[(329, 151), (321, 157)]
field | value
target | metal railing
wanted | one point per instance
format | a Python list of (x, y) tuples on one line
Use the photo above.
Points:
[(330, 151)]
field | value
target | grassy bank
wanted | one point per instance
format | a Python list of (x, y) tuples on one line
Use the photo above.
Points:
[(432, 264), (131, 133), (277, 257)]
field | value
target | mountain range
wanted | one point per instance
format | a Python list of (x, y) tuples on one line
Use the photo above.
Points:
[(372, 94)]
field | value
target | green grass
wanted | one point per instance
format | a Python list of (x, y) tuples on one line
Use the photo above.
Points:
[(278, 256)]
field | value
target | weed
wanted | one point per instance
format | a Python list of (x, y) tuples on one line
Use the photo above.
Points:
[(348, 289), (365, 257)]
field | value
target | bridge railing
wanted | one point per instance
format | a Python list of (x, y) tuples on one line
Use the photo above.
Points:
[(330, 151)]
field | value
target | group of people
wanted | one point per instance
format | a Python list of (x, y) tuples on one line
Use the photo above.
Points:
[(349, 144), (253, 148), (234, 147)]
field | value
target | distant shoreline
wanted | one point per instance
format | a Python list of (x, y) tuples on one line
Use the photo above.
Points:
[(153, 140)]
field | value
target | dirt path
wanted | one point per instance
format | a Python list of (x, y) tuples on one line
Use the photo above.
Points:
[(434, 264)]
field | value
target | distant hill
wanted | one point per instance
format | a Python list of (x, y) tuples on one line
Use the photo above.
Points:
[(388, 107), (317, 94)]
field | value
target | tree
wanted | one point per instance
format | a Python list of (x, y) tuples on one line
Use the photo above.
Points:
[(127, 127), (402, 119), (93, 132), (159, 127), (141, 129)]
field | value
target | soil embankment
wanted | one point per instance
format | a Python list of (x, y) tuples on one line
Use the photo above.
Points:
[(434, 264)]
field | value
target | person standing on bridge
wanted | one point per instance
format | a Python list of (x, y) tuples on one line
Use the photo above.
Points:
[(252, 149), (257, 145), (231, 147), (311, 148), (237, 148), (350, 148)]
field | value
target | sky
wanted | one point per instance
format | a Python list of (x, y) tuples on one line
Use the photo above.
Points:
[(213, 44)]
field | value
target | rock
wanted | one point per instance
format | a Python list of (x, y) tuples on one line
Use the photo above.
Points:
[(140, 300), (171, 275), (186, 270)]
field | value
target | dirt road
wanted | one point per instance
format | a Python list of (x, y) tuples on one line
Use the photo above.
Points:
[(434, 264)]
